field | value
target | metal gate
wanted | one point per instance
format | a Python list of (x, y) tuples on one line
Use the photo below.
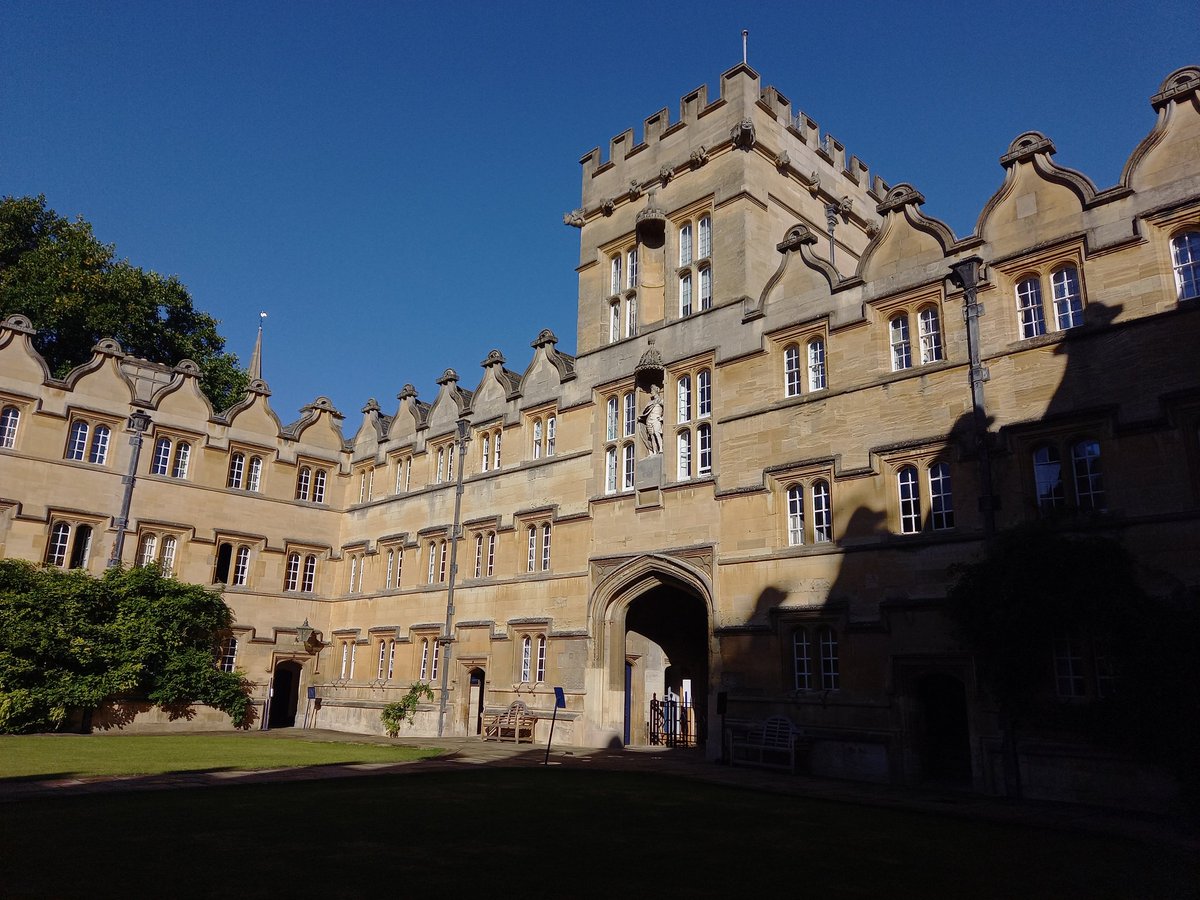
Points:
[(672, 721)]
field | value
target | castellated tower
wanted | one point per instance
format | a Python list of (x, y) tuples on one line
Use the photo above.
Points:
[(689, 217)]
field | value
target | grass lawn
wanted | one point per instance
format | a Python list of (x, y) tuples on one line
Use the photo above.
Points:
[(547, 833), (73, 755)]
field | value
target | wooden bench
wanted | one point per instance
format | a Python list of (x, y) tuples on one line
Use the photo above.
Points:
[(770, 744), (514, 724)]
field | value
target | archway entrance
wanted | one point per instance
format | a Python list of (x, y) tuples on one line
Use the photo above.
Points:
[(943, 741), (285, 694), (667, 668), (478, 678)]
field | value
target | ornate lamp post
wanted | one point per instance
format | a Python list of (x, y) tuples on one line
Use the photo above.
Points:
[(138, 423), (464, 435)]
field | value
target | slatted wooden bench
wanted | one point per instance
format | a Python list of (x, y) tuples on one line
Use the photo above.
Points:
[(514, 724), (770, 744)]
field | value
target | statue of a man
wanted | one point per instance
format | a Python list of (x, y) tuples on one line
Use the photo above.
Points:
[(652, 422)]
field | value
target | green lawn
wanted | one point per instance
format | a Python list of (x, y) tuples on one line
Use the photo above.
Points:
[(547, 833), (70, 755)]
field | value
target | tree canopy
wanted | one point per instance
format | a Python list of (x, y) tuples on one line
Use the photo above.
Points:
[(68, 641), (76, 292)]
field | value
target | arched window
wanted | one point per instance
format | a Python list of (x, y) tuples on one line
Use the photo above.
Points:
[(486, 458), (379, 670), (703, 394), (491, 554), (1185, 259), (684, 445), (319, 478), (705, 229), (901, 346), (941, 497), (631, 279), (167, 561), (441, 465), (77, 445), (437, 653), (610, 419), (479, 555), (254, 477), (303, 483), (10, 417), (99, 451), (241, 570), (1089, 489), (450, 463), (614, 273), (1029, 308), (147, 549), (610, 470), (683, 392), (526, 658), (614, 321), (910, 500), (795, 515), (81, 547), (1068, 299), (929, 333), (704, 450), (1047, 474), (531, 535), (237, 467), (60, 539), (628, 467), (816, 364), (353, 572), (161, 460), (424, 658), (822, 512), (546, 547), (540, 670), (442, 562), (706, 295), (685, 244), (391, 667), (291, 580), (631, 316), (183, 452), (685, 294), (224, 560), (537, 438), (551, 429), (791, 371), (630, 404), (432, 562), (496, 450), (391, 568), (310, 574)]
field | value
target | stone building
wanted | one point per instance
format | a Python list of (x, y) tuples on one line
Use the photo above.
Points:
[(740, 498)]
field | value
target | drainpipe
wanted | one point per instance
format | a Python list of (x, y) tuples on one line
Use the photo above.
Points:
[(446, 640), (138, 423)]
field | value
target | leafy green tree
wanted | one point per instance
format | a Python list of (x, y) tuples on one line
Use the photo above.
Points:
[(76, 292), (69, 641), (1038, 584), (403, 710)]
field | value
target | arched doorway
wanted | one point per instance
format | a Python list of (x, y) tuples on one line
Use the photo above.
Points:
[(285, 694), (654, 654), (943, 742)]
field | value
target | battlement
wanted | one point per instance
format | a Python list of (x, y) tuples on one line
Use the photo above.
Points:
[(705, 127)]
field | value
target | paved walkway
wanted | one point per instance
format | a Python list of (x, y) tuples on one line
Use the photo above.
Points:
[(466, 752)]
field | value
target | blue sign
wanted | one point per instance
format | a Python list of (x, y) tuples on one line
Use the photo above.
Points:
[(312, 693), (560, 699)]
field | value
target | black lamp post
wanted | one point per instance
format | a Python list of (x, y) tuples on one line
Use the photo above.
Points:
[(138, 423)]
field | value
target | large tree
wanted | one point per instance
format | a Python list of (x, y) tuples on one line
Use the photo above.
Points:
[(77, 292), (69, 641), (1039, 584)]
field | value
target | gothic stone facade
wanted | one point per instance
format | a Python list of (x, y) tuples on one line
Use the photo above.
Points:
[(819, 345)]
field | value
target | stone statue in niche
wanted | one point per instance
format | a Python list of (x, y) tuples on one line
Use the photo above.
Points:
[(652, 422)]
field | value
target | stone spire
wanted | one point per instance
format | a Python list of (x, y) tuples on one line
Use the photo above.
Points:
[(255, 369)]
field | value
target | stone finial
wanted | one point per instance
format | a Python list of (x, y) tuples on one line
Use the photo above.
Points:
[(1025, 146), (796, 237), (494, 358), (188, 367), (408, 392), (545, 336), (108, 347), (1176, 86), (19, 323), (900, 196), (448, 377), (371, 407)]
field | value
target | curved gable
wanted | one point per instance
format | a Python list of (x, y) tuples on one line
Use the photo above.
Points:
[(1168, 154)]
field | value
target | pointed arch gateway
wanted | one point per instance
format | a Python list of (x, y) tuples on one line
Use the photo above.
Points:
[(651, 621)]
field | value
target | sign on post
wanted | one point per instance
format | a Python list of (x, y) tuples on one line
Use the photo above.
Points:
[(560, 702)]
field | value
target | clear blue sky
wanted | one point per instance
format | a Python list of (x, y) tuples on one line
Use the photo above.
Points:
[(387, 180)]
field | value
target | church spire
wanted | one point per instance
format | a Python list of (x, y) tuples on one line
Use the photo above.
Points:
[(255, 370)]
